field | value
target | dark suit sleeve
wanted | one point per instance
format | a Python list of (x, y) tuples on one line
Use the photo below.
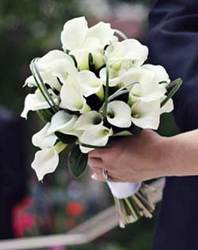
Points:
[(173, 43)]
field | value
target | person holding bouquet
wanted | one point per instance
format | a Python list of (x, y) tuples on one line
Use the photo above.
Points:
[(173, 42)]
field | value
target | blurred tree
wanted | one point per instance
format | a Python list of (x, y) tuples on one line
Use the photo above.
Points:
[(27, 29)]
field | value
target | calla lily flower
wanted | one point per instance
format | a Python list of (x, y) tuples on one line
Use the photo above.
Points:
[(168, 107), (81, 40), (45, 161), (119, 114), (89, 119), (71, 96), (97, 136), (54, 64), (42, 139), (146, 115), (123, 55), (36, 101), (62, 122), (89, 83), (160, 74)]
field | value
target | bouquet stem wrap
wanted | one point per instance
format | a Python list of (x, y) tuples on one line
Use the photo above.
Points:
[(131, 201)]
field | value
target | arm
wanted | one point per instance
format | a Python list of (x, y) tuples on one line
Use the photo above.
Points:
[(147, 156)]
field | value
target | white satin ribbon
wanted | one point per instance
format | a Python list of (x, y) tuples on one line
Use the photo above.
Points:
[(122, 190)]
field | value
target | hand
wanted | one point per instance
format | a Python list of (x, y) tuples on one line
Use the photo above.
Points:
[(132, 159)]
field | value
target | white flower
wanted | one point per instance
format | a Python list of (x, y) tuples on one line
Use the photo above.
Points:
[(94, 136), (42, 139), (71, 95), (146, 114), (168, 107), (89, 83), (54, 64), (81, 40), (119, 114), (160, 76), (62, 122), (36, 101), (88, 120), (121, 56)]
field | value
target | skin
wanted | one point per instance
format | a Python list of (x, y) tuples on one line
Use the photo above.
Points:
[(147, 156)]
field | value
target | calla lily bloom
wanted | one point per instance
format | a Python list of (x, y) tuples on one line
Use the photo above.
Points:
[(81, 40), (119, 114), (54, 64), (71, 95), (62, 122), (123, 55), (146, 115), (97, 136), (168, 107), (89, 83), (89, 119), (42, 139), (36, 101)]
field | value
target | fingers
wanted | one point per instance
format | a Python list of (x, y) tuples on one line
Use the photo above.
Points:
[(95, 163)]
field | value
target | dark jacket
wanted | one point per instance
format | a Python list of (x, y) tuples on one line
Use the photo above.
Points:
[(173, 42), (12, 169)]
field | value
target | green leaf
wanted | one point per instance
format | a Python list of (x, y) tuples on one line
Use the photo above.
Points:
[(45, 115), (77, 161), (67, 139), (174, 86)]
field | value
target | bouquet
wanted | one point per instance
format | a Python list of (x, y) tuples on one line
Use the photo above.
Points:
[(96, 89)]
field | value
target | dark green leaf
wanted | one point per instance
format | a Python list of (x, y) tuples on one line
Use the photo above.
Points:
[(175, 86), (45, 115), (67, 139), (77, 161)]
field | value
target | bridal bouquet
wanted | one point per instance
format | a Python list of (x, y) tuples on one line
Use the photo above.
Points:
[(95, 89)]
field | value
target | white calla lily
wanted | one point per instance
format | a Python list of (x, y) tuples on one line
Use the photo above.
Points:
[(72, 96), (113, 81), (96, 136), (36, 101), (168, 107), (42, 139), (125, 54), (88, 120), (81, 41), (54, 64), (146, 114), (119, 114), (89, 83), (62, 122), (160, 73), (45, 161)]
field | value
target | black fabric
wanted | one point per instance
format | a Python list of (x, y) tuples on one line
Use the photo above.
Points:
[(173, 42), (12, 169)]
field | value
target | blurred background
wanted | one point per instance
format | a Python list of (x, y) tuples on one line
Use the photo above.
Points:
[(28, 29)]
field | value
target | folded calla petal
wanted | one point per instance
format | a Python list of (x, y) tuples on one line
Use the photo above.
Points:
[(72, 96), (45, 162), (88, 119), (34, 102), (42, 139), (161, 74), (62, 122), (119, 114), (96, 136), (128, 53), (103, 32), (112, 81), (74, 33), (168, 107), (85, 150), (146, 115), (89, 83)]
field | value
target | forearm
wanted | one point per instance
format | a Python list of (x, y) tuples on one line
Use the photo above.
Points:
[(180, 157)]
